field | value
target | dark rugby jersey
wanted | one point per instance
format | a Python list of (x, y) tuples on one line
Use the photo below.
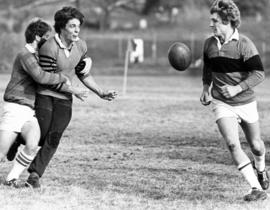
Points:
[(26, 72), (54, 53), (235, 62)]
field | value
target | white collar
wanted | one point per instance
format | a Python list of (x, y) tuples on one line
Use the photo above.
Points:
[(61, 45), (58, 40), (30, 48), (234, 36)]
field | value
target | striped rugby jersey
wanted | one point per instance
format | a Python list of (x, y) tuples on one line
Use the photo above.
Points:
[(235, 62), (26, 73), (55, 57)]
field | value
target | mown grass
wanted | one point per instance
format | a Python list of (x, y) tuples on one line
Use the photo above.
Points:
[(154, 148)]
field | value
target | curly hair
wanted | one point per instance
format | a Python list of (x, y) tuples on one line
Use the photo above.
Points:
[(38, 27), (62, 16), (228, 12)]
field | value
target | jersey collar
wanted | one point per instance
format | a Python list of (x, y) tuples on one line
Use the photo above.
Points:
[(234, 36), (61, 45), (30, 48)]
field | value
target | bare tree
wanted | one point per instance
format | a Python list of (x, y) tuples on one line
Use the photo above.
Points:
[(13, 18), (108, 6)]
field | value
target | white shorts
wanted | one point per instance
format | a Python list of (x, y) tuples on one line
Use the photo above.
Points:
[(14, 116), (247, 112)]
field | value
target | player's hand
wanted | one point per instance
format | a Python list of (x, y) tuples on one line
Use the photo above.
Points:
[(205, 98), (66, 79), (108, 95), (229, 91)]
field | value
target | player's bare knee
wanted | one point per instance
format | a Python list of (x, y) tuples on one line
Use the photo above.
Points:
[(31, 148), (233, 147), (257, 147)]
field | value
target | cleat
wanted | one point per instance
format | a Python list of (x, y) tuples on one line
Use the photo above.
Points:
[(33, 181), (255, 195), (12, 183), (263, 178)]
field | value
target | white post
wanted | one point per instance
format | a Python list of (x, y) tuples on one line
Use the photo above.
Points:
[(263, 52), (154, 47), (126, 66)]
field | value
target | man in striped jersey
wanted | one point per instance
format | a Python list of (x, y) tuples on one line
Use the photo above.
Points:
[(19, 97), (233, 67), (68, 53)]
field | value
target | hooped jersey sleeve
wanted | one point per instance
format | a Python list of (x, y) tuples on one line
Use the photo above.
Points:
[(252, 63)]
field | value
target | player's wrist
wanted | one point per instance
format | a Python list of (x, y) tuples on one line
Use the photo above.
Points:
[(206, 88), (101, 93), (239, 88)]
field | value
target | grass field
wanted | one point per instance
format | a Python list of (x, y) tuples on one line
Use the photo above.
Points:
[(154, 148)]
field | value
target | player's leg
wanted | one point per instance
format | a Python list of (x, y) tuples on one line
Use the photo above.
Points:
[(61, 116), (11, 122), (253, 136), (6, 140), (228, 127), (14, 148), (44, 110), (31, 133)]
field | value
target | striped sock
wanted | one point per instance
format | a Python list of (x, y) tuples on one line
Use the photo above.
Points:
[(21, 162), (247, 170)]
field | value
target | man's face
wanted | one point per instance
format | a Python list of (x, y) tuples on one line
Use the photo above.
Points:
[(44, 38), (71, 31), (47, 35), (219, 29)]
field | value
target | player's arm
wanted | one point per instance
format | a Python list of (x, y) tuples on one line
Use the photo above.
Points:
[(253, 65), (82, 70), (256, 76), (206, 78), (31, 66)]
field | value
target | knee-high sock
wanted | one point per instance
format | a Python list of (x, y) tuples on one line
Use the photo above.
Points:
[(21, 162), (247, 170)]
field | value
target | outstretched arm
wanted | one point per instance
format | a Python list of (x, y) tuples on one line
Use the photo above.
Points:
[(83, 72), (206, 97), (91, 84)]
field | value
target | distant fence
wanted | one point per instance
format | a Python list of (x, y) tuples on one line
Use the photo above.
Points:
[(107, 49), (112, 50)]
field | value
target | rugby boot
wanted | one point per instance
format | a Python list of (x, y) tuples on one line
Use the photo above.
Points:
[(12, 183), (255, 195), (33, 180)]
